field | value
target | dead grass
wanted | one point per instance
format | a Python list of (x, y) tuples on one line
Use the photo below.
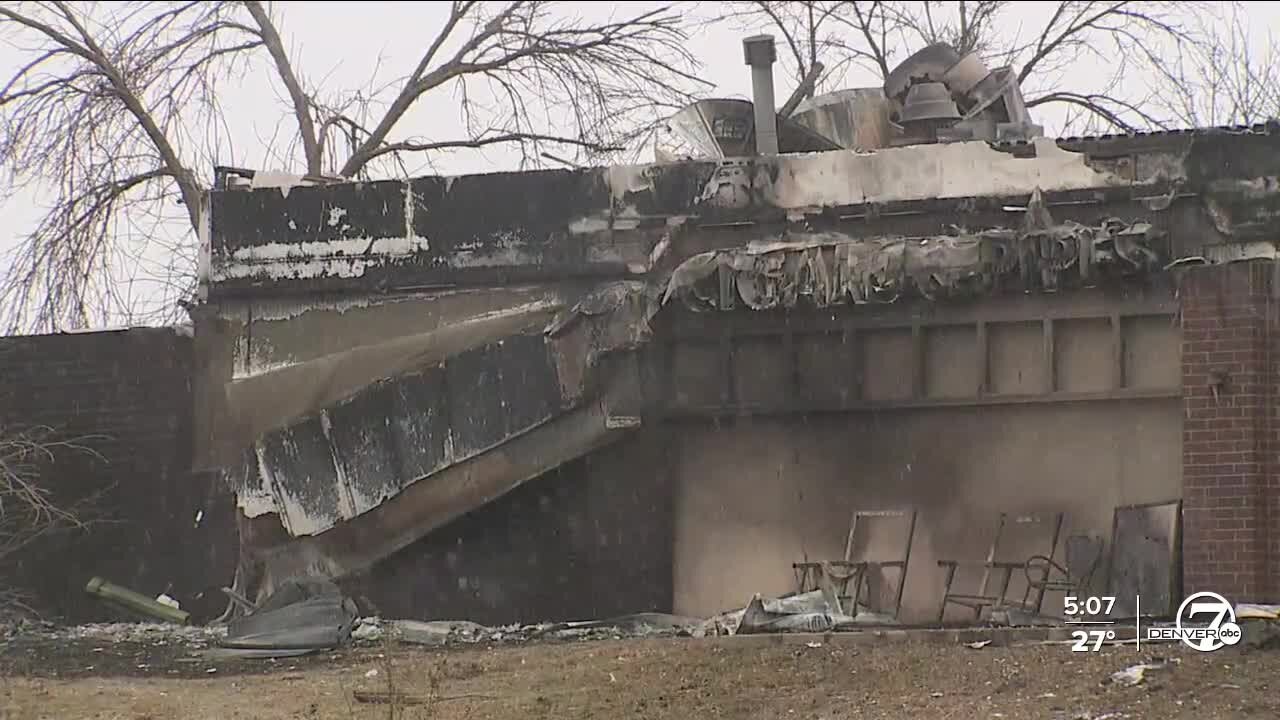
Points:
[(678, 679)]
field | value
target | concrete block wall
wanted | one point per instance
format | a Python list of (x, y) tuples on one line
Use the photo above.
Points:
[(126, 396), (1231, 492)]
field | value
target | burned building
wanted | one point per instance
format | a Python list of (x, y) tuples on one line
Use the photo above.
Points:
[(594, 391)]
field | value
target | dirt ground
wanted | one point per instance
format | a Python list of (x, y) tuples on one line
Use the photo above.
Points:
[(657, 678)]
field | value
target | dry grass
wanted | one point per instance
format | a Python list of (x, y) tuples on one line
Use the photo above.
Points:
[(674, 679)]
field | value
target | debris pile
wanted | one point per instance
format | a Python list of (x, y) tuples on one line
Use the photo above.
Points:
[(1260, 625), (145, 633), (453, 632), (310, 615), (1137, 674)]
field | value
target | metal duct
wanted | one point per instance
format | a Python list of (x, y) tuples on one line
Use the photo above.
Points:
[(760, 53)]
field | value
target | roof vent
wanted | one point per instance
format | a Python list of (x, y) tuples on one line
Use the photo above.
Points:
[(929, 101)]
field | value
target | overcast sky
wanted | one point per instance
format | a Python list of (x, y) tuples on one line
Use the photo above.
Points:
[(342, 44)]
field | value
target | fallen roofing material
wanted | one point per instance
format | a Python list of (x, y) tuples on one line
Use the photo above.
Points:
[(430, 409), (302, 616), (358, 479)]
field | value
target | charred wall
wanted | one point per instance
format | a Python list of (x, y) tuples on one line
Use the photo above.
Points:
[(591, 539), (124, 399), (1037, 407), (754, 498)]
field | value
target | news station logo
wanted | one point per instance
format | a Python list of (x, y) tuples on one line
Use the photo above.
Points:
[(1212, 611)]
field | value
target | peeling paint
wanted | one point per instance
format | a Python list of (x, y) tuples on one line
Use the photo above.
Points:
[(349, 257), (204, 262), (257, 500), (271, 310), (598, 222)]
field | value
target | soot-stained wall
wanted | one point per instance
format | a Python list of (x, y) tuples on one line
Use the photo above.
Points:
[(1093, 425), (591, 539), (757, 496), (124, 400)]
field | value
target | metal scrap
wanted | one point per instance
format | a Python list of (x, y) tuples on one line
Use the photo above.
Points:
[(782, 618), (303, 616), (134, 603), (814, 611)]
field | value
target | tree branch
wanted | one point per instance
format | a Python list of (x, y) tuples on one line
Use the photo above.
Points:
[(480, 142), (284, 70)]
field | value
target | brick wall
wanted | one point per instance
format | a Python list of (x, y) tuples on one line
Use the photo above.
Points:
[(1230, 491), (126, 396)]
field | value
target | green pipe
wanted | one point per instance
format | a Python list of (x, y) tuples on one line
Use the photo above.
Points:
[(136, 602)]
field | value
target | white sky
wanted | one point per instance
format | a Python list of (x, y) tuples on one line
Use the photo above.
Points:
[(343, 43)]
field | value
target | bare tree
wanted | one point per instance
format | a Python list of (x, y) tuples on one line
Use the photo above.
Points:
[(1125, 37), (840, 35), (118, 115), (104, 119), (27, 510), (1231, 80), (29, 513)]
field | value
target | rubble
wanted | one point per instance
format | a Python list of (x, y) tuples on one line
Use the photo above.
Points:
[(1017, 617), (1260, 625), (1136, 674), (454, 632), (305, 616), (146, 632)]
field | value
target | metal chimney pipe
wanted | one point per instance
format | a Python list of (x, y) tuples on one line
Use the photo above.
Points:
[(760, 53)]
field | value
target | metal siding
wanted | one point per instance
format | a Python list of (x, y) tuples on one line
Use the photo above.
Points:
[(365, 447)]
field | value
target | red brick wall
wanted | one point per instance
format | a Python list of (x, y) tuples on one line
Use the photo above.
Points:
[(1229, 479)]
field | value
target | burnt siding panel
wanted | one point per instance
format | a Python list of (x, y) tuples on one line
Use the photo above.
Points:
[(247, 476), (365, 448), (672, 189), (496, 218), (420, 430), (530, 383), (300, 464), (478, 417), (241, 219)]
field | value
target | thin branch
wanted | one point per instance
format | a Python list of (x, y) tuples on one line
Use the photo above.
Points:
[(489, 140), (285, 72)]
